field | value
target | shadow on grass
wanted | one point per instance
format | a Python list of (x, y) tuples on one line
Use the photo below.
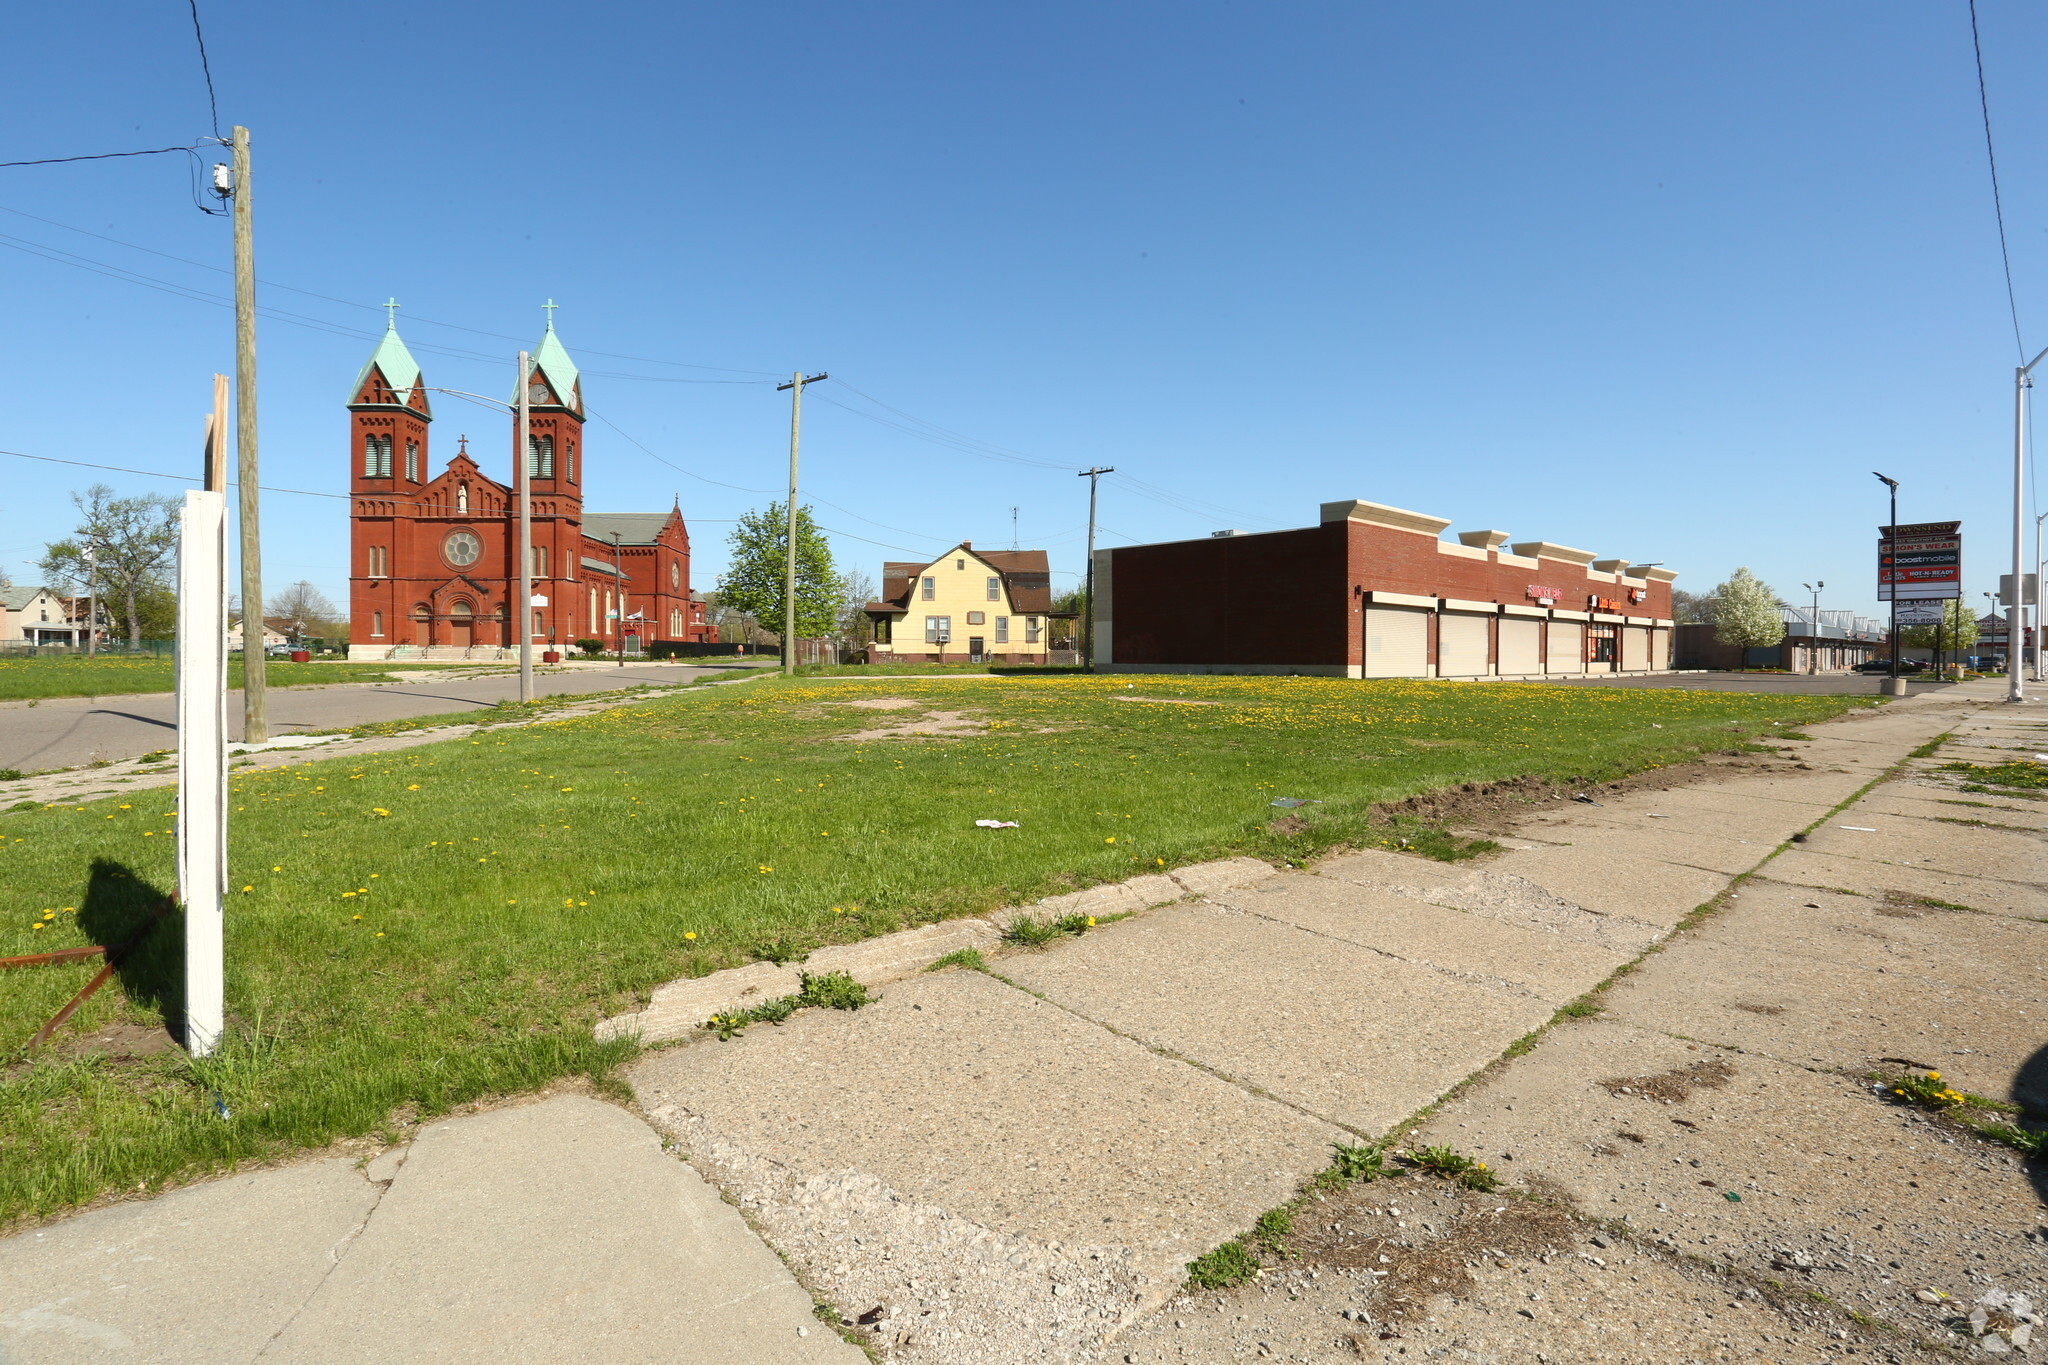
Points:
[(121, 906)]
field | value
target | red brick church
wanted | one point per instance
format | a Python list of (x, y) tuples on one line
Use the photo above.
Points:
[(434, 557)]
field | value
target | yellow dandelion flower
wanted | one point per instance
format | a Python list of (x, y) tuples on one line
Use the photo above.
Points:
[(248, 888), (1110, 840), (689, 933)]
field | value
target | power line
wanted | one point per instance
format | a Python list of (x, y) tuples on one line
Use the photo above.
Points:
[(97, 156), (200, 37), (1997, 202)]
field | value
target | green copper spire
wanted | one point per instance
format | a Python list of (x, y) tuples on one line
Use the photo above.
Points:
[(553, 362), (400, 370)]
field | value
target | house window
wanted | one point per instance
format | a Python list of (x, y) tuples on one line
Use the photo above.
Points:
[(995, 590), (884, 632), (961, 565), (977, 618), (412, 461), (931, 588), (1031, 630), (936, 626), (376, 625), (1002, 630)]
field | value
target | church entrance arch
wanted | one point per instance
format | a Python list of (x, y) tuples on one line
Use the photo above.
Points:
[(461, 624)]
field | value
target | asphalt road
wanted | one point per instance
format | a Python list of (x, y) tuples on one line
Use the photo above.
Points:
[(66, 732)]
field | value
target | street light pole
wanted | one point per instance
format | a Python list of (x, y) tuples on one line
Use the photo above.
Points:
[(2021, 382), (619, 584), (1891, 559), (2040, 571), (1813, 647)]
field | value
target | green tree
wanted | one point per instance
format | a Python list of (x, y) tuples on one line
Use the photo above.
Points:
[(123, 547), (1692, 608), (1958, 629), (311, 609), (753, 577), (1746, 613)]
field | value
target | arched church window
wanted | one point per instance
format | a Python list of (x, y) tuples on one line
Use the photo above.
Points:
[(412, 461), (569, 459), (421, 611), (376, 457), (675, 621), (540, 457)]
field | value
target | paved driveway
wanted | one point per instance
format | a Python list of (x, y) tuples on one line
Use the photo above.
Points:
[(66, 732)]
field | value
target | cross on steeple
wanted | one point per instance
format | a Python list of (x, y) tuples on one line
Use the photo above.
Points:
[(462, 445), (551, 306), (391, 307)]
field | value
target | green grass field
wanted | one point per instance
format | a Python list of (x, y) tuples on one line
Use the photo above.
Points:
[(111, 675), (411, 930)]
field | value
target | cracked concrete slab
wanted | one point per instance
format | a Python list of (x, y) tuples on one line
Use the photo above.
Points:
[(2017, 855), (557, 1231), (1721, 989), (1617, 881), (1545, 963), (1346, 1033), (1839, 1192), (1477, 889), (199, 1276), (1004, 1180), (1991, 895)]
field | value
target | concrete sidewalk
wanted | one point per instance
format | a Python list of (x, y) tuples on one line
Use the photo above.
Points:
[(1018, 1165), (552, 1231)]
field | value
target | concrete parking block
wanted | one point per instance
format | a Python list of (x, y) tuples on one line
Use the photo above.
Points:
[(1002, 1179), (1349, 1034), (1864, 874), (1808, 1010), (1838, 1192), (201, 1275), (1629, 882), (1544, 963), (557, 1231)]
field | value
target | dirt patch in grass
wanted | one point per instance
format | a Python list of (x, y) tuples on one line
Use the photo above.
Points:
[(1672, 1086), (931, 725), (1749, 1008), (880, 703), (1286, 825)]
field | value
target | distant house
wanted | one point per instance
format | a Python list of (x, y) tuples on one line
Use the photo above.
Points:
[(39, 616), (277, 630), (970, 606)]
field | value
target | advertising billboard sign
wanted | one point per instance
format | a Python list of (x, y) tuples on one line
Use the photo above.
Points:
[(1918, 561)]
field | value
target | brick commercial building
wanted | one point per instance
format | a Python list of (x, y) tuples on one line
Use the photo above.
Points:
[(435, 558), (1373, 593)]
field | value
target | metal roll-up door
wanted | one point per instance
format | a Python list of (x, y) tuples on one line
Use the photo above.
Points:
[(1396, 643), (1461, 645), (1635, 649), (1519, 651), (1567, 648)]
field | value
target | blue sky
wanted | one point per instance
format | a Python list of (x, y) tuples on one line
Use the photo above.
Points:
[(1662, 282)]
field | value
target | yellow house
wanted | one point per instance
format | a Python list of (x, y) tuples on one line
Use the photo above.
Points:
[(971, 606)]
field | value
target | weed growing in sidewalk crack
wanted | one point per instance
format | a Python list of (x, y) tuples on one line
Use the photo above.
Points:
[(1447, 1164), (832, 990), (1031, 932), (970, 958), (1226, 1267)]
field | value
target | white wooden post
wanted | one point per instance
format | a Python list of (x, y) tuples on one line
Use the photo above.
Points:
[(202, 759)]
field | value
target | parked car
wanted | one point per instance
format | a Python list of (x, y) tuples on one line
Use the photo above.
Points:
[(277, 651), (1885, 666)]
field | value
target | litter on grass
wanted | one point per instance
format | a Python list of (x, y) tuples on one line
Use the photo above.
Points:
[(998, 824), (1582, 797), (1290, 802), (1860, 829)]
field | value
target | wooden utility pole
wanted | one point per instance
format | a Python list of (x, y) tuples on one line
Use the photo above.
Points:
[(796, 412), (1094, 476), (255, 716)]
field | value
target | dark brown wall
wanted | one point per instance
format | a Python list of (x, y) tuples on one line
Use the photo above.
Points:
[(1262, 599)]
